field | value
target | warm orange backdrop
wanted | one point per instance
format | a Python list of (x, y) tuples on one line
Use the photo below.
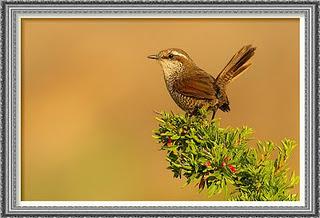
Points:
[(88, 95)]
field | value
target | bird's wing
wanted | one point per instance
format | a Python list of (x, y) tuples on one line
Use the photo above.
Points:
[(198, 85), (238, 64)]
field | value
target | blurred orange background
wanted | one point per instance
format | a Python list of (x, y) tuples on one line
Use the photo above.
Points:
[(88, 95)]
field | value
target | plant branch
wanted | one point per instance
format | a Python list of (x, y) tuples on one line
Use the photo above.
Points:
[(214, 158)]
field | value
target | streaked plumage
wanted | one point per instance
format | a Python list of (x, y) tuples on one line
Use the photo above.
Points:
[(191, 87)]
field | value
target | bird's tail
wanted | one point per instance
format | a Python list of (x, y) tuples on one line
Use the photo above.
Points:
[(238, 64)]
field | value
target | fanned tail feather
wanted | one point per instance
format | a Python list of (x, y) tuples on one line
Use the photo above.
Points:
[(238, 64)]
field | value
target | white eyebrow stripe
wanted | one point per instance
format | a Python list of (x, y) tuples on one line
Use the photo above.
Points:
[(179, 54)]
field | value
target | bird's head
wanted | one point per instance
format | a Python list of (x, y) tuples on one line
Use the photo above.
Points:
[(172, 60)]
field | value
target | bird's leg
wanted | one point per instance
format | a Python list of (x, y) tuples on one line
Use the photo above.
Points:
[(214, 110), (213, 114), (193, 112)]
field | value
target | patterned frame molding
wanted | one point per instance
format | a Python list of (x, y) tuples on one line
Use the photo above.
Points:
[(13, 10)]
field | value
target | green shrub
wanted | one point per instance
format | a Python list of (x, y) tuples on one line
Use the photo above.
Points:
[(219, 159)]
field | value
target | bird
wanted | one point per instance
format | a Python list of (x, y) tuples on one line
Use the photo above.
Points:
[(193, 88)]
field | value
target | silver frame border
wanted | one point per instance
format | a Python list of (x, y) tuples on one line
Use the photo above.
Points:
[(10, 11)]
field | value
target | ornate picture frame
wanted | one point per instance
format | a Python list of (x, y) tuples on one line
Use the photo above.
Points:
[(15, 10)]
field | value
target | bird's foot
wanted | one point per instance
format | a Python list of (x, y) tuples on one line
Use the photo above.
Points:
[(195, 112)]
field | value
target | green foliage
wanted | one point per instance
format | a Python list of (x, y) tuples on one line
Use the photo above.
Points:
[(218, 159)]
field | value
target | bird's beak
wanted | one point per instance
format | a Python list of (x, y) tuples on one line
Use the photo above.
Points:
[(153, 57)]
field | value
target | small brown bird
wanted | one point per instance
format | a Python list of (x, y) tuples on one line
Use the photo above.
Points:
[(193, 88)]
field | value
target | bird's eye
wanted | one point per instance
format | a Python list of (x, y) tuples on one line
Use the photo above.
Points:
[(170, 56)]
